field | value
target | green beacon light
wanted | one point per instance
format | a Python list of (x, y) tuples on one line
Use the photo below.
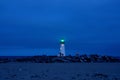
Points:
[(62, 41)]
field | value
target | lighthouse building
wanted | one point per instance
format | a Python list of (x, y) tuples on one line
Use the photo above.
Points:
[(62, 48)]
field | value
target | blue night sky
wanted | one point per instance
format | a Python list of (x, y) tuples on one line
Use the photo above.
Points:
[(34, 27)]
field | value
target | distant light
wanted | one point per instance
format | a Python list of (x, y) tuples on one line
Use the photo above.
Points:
[(62, 40)]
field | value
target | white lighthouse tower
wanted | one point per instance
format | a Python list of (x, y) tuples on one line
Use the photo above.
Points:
[(62, 48)]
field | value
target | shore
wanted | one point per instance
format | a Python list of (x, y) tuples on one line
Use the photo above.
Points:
[(60, 71)]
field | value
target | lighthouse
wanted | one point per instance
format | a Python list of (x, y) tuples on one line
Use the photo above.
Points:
[(62, 48)]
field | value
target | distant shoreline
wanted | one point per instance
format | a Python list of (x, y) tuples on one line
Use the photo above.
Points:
[(94, 58)]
